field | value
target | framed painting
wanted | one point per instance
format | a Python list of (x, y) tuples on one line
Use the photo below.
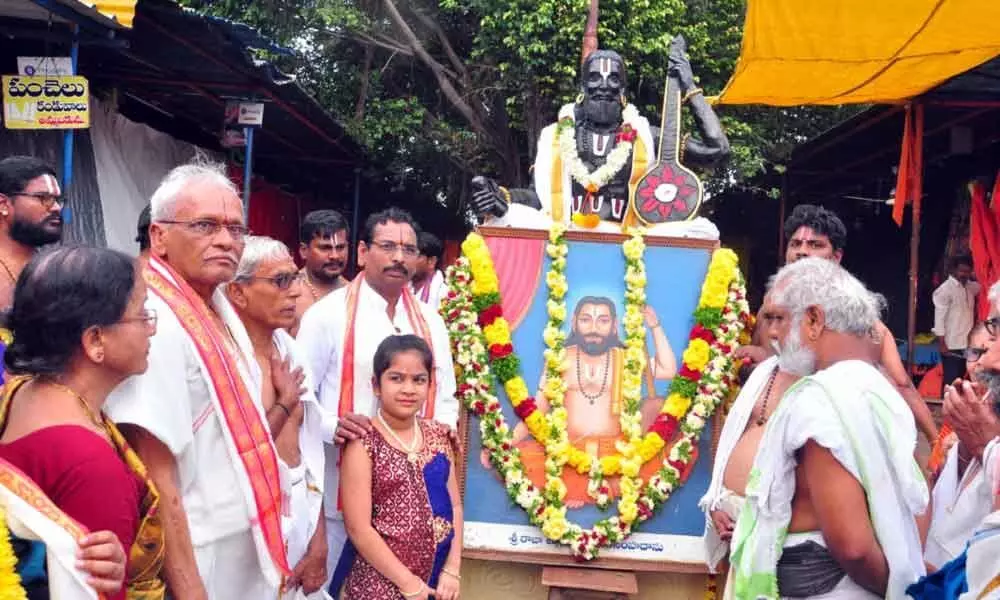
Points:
[(498, 529)]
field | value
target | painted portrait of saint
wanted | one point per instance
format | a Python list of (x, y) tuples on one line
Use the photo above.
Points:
[(594, 372)]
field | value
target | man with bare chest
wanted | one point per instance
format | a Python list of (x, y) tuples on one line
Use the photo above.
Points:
[(264, 294), (740, 439), (834, 494)]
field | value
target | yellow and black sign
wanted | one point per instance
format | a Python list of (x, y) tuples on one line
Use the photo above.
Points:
[(50, 102)]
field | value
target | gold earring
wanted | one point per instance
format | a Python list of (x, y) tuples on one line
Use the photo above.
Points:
[(579, 98), (624, 101)]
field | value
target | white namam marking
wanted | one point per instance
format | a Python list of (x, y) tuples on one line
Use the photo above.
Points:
[(666, 192), (605, 67), (601, 143), (51, 185), (617, 207)]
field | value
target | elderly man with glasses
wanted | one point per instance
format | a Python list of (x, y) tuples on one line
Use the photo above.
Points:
[(264, 293), (195, 416), (340, 334)]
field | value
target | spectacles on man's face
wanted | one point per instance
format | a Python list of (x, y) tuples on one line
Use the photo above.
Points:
[(390, 248), (46, 199), (992, 325), (974, 354), (282, 281), (210, 228)]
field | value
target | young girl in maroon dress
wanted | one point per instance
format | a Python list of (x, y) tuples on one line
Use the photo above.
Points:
[(402, 509)]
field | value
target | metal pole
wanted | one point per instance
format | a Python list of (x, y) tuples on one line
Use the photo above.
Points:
[(247, 171), (782, 209), (67, 170), (356, 218), (918, 181)]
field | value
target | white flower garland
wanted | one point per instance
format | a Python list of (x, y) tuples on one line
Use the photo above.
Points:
[(616, 160)]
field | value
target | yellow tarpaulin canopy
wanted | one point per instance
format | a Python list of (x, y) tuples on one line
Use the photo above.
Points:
[(858, 51), (122, 11)]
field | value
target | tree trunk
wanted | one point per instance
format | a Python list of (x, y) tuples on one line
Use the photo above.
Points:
[(366, 69)]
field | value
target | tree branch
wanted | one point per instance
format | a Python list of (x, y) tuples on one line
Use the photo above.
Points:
[(449, 91)]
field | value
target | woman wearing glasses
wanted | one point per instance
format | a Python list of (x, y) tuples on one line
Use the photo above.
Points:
[(80, 328)]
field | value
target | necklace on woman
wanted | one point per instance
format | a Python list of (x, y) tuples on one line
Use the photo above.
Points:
[(95, 418), (411, 448), (767, 394)]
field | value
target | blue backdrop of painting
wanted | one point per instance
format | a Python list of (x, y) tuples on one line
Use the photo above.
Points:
[(674, 279)]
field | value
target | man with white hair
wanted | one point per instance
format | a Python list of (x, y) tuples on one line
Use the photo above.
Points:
[(740, 439), (193, 418), (835, 492), (264, 294)]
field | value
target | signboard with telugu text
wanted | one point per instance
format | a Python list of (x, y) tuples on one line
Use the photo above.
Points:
[(57, 102)]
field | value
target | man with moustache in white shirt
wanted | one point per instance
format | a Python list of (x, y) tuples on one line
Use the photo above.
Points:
[(339, 336)]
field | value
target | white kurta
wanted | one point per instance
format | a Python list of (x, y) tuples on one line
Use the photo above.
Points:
[(960, 504), (174, 401), (321, 337), (718, 497), (434, 290)]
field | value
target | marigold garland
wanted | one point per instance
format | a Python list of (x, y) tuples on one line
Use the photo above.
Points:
[(10, 581), (472, 308)]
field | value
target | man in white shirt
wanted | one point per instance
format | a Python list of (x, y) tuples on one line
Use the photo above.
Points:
[(428, 281), (193, 418), (339, 335), (954, 316), (264, 293)]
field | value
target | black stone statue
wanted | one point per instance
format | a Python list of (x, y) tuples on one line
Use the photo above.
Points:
[(598, 117)]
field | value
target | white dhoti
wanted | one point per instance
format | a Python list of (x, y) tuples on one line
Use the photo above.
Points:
[(718, 497)]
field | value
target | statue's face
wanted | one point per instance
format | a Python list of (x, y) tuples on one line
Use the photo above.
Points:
[(603, 85), (596, 327), (604, 79)]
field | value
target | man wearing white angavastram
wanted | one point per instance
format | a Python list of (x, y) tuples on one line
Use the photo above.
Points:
[(339, 335), (193, 417), (835, 493), (741, 435), (264, 293)]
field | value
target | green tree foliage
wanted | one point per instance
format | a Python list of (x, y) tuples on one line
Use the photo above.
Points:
[(440, 90)]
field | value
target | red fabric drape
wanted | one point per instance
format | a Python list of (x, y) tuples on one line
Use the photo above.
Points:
[(518, 263), (273, 212), (909, 184), (984, 241)]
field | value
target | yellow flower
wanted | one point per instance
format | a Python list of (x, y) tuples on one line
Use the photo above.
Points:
[(555, 528), (697, 354), (557, 310), (516, 390), (630, 468), (676, 405), (553, 388), (611, 465), (555, 486), (537, 424), (581, 461), (497, 332), (651, 445), (628, 513), (10, 581), (635, 354)]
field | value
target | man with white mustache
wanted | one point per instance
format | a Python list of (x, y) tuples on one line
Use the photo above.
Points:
[(834, 495), (741, 436)]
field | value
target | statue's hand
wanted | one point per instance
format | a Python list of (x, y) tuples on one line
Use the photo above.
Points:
[(679, 65), (486, 198)]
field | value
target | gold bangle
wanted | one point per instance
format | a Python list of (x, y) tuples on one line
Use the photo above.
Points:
[(691, 94), (452, 573), (505, 193), (414, 594)]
